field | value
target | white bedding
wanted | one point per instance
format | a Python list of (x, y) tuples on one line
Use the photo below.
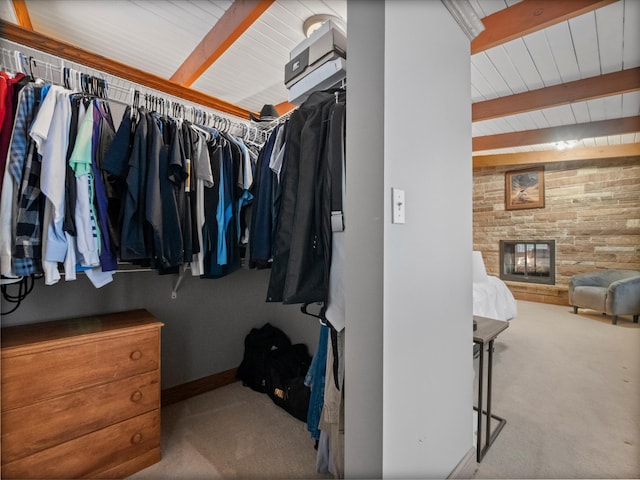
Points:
[(493, 299)]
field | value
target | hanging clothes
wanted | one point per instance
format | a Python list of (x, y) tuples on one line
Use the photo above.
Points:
[(301, 246), (315, 380), (88, 233), (134, 230), (50, 131), (262, 220), (203, 181), (26, 248), (53, 200), (182, 173), (189, 217), (11, 87), (103, 135), (113, 166), (333, 219), (71, 193), (161, 206), (303, 191), (79, 193), (220, 243)]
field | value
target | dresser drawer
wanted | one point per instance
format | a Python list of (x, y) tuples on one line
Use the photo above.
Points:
[(29, 378), (98, 452), (29, 429)]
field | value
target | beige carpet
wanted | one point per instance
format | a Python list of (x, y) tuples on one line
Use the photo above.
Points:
[(232, 432), (568, 385)]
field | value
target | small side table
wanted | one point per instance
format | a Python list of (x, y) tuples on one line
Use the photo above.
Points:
[(486, 332)]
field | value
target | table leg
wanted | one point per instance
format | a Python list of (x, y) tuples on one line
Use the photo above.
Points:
[(490, 436), (489, 385), (480, 395)]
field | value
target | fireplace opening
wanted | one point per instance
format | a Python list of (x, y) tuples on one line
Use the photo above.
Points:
[(531, 261)]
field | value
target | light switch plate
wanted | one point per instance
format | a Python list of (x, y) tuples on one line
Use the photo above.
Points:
[(398, 205)]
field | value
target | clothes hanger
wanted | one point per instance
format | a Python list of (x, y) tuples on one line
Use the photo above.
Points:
[(320, 316), (85, 84), (31, 62), (65, 78), (102, 87), (93, 86)]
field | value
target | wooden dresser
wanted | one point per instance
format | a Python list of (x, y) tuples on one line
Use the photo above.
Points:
[(81, 397)]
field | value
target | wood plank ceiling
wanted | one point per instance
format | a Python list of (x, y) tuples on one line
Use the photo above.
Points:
[(542, 72)]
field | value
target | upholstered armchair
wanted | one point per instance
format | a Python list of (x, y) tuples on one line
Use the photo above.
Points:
[(611, 292)]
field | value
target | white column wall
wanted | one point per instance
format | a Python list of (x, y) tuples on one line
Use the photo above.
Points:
[(364, 219), (425, 296)]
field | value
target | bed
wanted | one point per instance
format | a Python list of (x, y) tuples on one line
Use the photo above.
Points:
[(491, 296)]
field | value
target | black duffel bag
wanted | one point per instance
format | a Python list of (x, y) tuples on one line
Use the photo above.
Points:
[(258, 345), (288, 367)]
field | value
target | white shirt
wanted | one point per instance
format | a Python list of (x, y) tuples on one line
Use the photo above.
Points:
[(277, 155), (50, 131)]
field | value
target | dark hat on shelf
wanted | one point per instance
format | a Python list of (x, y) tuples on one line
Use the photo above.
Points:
[(267, 114)]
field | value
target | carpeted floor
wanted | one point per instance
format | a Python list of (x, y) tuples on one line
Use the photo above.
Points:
[(232, 432), (568, 385)]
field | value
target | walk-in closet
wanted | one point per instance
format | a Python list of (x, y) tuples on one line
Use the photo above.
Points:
[(155, 212)]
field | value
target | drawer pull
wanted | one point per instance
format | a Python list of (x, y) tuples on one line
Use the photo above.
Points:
[(136, 396), (136, 439), (136, 355)]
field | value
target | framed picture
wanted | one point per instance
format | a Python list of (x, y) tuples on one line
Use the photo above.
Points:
[(524, 189)]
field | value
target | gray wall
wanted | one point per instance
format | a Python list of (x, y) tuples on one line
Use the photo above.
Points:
[(364, 220), (204, 327), (409, 299), (409, 338)]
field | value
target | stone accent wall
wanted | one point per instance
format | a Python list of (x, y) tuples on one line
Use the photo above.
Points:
[(592, 211)]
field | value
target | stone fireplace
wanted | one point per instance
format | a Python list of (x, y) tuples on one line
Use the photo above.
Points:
[(528, 261)]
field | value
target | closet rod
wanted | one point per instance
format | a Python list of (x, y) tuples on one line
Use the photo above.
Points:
[(72, 53), (120, 90), (124, 270), (49, 70)]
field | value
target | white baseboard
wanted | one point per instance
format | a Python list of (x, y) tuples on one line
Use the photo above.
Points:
[(466, 467)]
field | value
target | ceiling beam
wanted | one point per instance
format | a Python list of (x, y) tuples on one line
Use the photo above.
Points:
[(235, 21), (22, 14), (551, 156), (614, 83), (70, 52), (527, 17), (617, 126), (285, 107)]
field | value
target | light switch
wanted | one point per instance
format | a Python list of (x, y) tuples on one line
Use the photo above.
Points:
[(397, 196)]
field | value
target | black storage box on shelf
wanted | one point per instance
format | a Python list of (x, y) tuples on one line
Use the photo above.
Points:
[(325, 44)]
